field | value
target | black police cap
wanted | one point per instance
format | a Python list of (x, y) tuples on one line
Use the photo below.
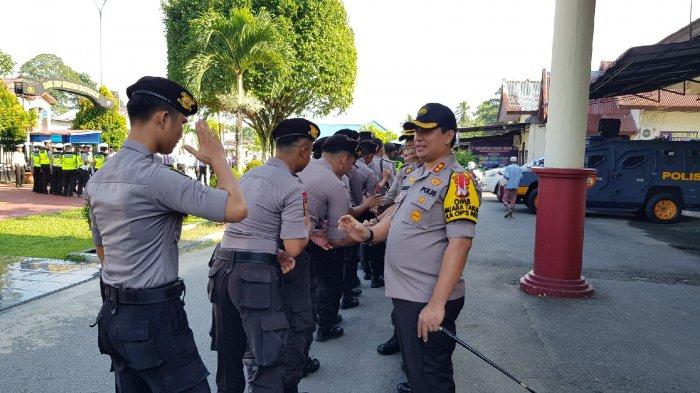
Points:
[(296, 127), (352, 134), (365, 136), (167, 91), (431, 116), (378, 142), (342, 143), (367, 147), (318, 145)]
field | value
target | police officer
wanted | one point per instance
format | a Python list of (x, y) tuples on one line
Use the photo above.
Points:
[(70, 161), (382, 166), (368, 149), (84, 169), (253, 302), (100, 157), (329, 199), (36, 167), (318, 144), (136, 210), (428, 240), (57, 169), (45, 161)]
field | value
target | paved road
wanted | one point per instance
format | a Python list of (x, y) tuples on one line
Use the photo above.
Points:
[(638, 333)]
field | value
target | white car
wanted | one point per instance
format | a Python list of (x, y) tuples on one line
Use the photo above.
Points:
[(492, 178)]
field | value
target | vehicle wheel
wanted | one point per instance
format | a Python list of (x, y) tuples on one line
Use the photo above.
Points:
[(531, 201), (663, 208)]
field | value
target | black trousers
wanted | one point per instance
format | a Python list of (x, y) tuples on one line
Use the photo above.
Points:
[(350, 257), (296, 300), (202, 175), (45, 178), (69, 182), (38, 179), (376, 257), (152, 348), (83, 177), (327, 272), (57, 181), (247, 310), (428, 364)]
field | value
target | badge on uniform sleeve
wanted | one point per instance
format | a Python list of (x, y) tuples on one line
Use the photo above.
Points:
[(462, 199), (416, 215)]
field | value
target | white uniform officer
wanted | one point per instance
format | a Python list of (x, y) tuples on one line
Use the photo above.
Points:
[(136, 210)]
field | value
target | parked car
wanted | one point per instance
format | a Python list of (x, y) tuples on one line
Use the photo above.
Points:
[(492, 178)]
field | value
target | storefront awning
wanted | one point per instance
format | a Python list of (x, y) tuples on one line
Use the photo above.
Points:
[(647, 68)]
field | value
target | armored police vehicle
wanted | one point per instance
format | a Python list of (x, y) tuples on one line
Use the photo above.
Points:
[(653, 178)]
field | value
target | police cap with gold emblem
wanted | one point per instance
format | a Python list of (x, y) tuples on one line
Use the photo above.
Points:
[(296, 127), (342, 143), (165, 90), (431, 116)]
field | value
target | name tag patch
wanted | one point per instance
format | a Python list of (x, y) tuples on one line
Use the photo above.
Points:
[(428, 191)]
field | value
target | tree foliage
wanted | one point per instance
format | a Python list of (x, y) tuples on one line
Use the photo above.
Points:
[(46, 66), (108, 120), (14, 120), (463, 117), (486, 113), (322, 60), (6, 64)]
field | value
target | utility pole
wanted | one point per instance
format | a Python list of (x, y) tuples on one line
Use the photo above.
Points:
[(99, 11)]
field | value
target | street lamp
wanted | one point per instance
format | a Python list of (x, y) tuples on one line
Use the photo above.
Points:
[(99, 11)]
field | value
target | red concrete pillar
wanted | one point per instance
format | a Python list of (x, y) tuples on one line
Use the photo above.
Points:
[(561, 201)]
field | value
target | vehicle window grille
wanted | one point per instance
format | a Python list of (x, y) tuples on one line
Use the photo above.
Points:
[(595, 160), (633, 161)]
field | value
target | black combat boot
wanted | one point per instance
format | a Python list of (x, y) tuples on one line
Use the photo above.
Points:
[(348, 302), (312, 365), (376, 283), (329, 333), (390, 347), (404, 387)]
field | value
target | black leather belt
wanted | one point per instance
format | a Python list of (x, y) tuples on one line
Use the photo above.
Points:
[(238, 256), (160, 294)]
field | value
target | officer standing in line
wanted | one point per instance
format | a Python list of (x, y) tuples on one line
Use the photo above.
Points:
[(428, 240), (36, 167), (381, 165), (317, 147), (100, 157), (329, 199), (368, 149), (84, 169), (18, 163), (252, 301), (136, 210), (45, 161), (70, 161), (57, 170)]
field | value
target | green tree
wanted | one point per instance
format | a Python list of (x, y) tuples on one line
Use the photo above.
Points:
[(383, 134), (45, 66), (486, 113), (322, 60), (14, 120), (6, 64), (235, 44), (463, 117), (108, 120)]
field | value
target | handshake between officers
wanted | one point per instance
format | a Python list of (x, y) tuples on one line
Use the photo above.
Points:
[(278, 273)]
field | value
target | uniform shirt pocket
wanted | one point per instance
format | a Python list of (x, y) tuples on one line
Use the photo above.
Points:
[(418, 210)]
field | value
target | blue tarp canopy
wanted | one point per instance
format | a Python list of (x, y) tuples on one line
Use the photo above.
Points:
[(76, 137)]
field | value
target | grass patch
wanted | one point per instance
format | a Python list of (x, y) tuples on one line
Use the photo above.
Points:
[(202, 230)]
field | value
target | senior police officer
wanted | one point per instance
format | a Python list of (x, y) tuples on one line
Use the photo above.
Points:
[(329, 199), (136, 210), (253, 302), (428, 240)]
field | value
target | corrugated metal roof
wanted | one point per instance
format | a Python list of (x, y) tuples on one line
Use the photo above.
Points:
[(521, 96), (660, 99)]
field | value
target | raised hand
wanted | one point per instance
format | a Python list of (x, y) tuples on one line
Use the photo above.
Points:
[(354, 229), (210, 148)]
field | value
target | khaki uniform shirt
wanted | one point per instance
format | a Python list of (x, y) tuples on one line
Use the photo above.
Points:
[(136, 211), (275, 209), (329, 198), (439, 204)]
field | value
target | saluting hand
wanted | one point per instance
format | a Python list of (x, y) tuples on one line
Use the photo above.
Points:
[(355, 230), (286, 261), (429, 319), (210, 148)]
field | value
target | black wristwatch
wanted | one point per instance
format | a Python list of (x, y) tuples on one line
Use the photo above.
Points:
[(371, 236)]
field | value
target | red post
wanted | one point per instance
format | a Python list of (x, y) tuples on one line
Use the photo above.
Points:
[(559, 235)]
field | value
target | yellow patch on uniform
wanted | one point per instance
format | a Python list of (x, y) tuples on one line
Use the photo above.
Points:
[(411, 180), (436, 181), (439, 167), (416, 215), (462, 199), (313, 131), (186, 101), (421, 199)]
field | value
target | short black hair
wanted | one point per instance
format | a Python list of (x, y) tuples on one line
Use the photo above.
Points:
[(141, 107), (454, 138), (290, 140)]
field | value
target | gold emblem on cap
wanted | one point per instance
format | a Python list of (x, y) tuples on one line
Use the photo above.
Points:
[(186, 101), (421, 200), (436, 181), (313, 131), (422, 111), (416, 215)]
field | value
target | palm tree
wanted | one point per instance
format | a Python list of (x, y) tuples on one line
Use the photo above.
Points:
[(463, 118), (235, 43)]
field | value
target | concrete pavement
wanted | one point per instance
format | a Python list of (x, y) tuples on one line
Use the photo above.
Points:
[(638, 333)]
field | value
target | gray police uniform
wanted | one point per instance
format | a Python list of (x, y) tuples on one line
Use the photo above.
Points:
[(439, 204), (399, 186), (329, 199), (136, 211), (378, 165), (376, 251), (251, 299)]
